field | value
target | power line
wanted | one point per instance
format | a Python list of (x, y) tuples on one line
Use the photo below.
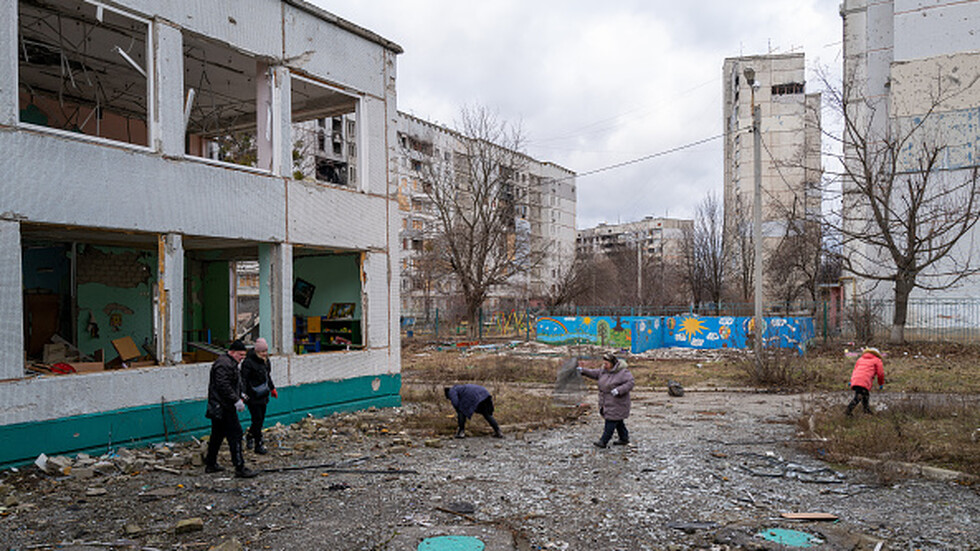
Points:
[(641, 159)]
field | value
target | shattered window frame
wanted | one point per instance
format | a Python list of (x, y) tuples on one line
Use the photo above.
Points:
[(94, 72), (345, 110), (219, 128)]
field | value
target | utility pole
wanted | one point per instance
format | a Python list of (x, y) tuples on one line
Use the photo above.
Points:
[(757, 209), (639, 272)]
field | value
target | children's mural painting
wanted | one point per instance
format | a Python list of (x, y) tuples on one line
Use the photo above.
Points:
[(687, 330)]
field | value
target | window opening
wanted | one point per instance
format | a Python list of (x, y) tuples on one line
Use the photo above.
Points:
[(327, 301), (325, 133), (83, 69), (220, 91)]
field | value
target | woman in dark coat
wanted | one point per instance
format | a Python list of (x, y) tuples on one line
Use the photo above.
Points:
[(615, 383), (257, 379)]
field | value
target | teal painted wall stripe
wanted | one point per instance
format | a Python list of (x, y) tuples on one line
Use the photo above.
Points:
[(97, 433)]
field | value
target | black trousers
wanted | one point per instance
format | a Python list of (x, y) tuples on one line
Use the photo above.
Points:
[(484, 408), (226, 428), (619, 427), (257, 412), (861, 395)]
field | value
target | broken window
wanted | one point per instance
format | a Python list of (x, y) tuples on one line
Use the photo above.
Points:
[(83, 69), (325, 133), (788, 88), (327, 301), (220, 102), (89, 301)]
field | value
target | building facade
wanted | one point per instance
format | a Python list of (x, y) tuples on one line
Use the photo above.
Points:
[(790, 167), (660, 239), (543, 203), (149, 152), (911, 69)]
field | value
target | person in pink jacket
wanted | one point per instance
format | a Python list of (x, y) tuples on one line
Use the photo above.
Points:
[(867, 367), (615, 383)]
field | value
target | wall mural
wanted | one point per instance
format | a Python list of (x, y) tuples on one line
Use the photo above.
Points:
[(687, 330)]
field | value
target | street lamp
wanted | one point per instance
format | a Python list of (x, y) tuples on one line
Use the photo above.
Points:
[(756, 207)]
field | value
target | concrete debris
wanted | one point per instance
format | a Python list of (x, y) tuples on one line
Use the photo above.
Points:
[(189, 525), (689, 481), (675, 389), (227, 545), (95, 492)]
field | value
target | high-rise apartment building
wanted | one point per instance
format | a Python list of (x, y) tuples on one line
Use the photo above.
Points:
[(912, 65), (541, 195), (790, 168)]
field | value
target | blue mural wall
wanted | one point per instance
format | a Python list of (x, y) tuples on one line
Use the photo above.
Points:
[(687, 330)]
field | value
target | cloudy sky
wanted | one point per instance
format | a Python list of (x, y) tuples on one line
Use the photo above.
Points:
[(596, 84)]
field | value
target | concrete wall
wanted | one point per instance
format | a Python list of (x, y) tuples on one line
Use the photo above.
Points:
[(63, 182)]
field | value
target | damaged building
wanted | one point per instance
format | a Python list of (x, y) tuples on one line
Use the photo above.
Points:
[(155, 206)]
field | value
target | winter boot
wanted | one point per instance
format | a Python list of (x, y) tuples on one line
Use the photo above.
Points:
[(460, 434), (260, 446), (249, 441), (245, 472)]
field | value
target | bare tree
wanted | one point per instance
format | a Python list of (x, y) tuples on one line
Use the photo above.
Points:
[(474, 197), (572, 283), (904, 207), (704, 254), (741, 250)]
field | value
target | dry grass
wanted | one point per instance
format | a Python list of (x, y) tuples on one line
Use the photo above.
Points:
[(515, 408), (938, 430), (933, 428)]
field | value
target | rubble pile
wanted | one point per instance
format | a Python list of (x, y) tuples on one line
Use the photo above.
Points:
[(704, 471)]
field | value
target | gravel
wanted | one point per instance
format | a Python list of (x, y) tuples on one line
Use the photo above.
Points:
[(707, 470)]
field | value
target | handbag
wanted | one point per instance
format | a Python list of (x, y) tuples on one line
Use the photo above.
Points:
[(262, 391)]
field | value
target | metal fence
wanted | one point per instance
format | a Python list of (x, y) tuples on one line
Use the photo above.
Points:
[(491, 324)]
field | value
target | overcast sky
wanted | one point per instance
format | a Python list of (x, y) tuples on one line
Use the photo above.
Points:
[(594, 84)]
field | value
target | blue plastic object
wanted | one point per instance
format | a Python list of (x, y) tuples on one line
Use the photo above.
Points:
[(451, 543)]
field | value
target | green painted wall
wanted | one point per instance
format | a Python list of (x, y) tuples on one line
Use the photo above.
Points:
[(176, 421), (99, 299), (337, 279), (216, 294)]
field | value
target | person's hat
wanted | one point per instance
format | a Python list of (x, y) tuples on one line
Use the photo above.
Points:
[(237, 345), (872, 350), (261, 345), (609, 357)]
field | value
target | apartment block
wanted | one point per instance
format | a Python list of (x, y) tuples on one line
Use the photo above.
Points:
[(153, 187), (659, 239), (913, 65), (540, 194), (790, 152)]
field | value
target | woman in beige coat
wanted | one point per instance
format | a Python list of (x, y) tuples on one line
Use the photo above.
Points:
[(615, 383)]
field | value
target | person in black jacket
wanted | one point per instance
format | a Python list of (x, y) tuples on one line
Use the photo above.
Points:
[(224, 404), (257, 377)]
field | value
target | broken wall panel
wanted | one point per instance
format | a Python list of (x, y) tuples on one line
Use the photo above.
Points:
[(355, 218), (342, 63), (160, 197)]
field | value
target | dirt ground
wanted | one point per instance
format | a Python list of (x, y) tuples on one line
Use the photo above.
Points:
[(709, 470)]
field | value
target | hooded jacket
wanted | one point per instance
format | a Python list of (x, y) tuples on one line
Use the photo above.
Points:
[(466, 398), (867, 367), (613, 408), (256, 371)]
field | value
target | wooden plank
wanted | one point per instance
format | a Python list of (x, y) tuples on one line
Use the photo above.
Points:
[(126, 348), (809, 516)]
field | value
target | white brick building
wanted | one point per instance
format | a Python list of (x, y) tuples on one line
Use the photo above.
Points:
[(148, 149)]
